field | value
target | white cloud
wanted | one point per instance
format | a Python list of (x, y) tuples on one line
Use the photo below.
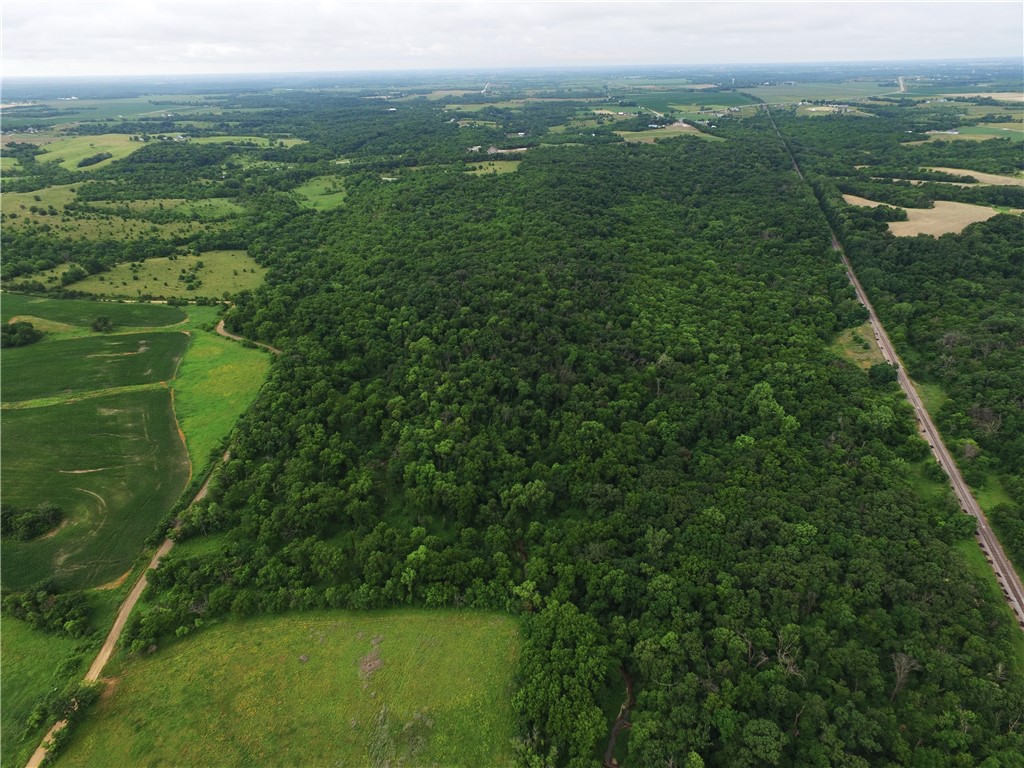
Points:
[(59, 37)]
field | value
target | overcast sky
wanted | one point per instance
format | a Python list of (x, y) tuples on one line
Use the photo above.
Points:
[(140, 37)]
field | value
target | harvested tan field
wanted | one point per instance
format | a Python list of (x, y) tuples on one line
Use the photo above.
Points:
[(944, 218), (999, 96), (984, 178)]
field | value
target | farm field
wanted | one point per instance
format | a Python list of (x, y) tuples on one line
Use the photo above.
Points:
[(67, 152), (787, 94), (1010, 131), (322, 193), (76, 312), (944, 218), (67, 367), (678, 129), (382, 688), (220, 272), (984, 178), (113, 464)]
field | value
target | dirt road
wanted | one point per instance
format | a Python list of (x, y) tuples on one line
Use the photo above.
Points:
[(228, 335), (107, 650)]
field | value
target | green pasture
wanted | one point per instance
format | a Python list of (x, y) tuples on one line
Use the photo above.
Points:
[(76, 312), (67, 367), (322, 193), (493, 167), (1013, 131), (210, 209), (70, 150), (216, 382), (221, 272), (19, 202), (8, 163), (258, 141), (669, 131), (34, 662), (114, 464), (328, 688), (848, 90)]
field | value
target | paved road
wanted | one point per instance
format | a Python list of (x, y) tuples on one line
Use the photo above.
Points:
[(1007, 577)]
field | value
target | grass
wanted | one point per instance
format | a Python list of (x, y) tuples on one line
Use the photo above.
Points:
[(82, 313), (493, 167), (114, 464), (944, 218), (259, 141), (983, 178), (858, 346), (649, 137), (211, 209), (322, 193), (932, 395), (69, 151), (67, 367), (221, 272), (34, 662), (216, 382), (839, 92), (370, 689)]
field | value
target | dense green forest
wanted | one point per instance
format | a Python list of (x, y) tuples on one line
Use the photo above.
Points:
[(600, 393)]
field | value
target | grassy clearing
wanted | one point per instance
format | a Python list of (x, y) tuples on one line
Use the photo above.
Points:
[(212, 209), (113, 464), (256, 141), (677, 129), (67, 367), (493, 167), (858, 346), (322, 193), (69, 151), (372, 689), (216, 382), (34, 662), (221, 272), (932, 395), (82, 313)]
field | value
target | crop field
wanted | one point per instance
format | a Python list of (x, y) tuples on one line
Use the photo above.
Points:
[(662, 101), (1012, 131), (216, 382), (984, 178), (322, 193), (77, 312), (68, 367), (69, 151), (493, 167), (340, 688), (221, 272), (113, 464), (944, 218), (848, 90), (678, 129)]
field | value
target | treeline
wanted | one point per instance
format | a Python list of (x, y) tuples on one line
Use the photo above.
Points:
[(599, 392)]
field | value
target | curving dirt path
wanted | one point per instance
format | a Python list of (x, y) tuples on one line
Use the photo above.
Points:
[(228, 335)]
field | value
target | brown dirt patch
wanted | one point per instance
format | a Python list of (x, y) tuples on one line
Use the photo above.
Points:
[(118, 581)]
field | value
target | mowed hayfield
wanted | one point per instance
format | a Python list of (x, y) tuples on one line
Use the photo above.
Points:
[(113, 464), (322, 193), (381, 688), (984, 178), (69, 151), (944, 218), (221, 272)]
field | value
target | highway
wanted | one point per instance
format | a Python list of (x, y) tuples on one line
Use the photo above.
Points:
[(1006, 576)]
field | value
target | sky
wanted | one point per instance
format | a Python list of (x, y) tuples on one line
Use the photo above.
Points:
[(141, 37)]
